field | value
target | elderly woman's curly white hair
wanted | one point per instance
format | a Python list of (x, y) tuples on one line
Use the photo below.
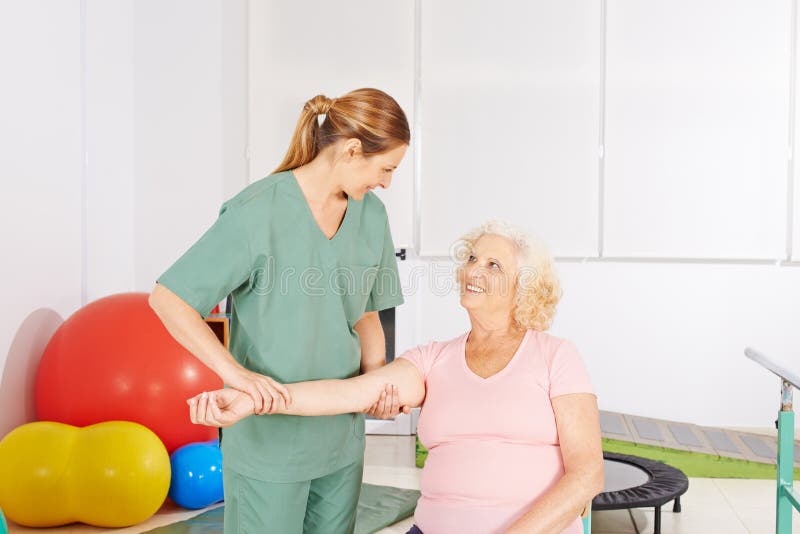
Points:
[(538, 289)]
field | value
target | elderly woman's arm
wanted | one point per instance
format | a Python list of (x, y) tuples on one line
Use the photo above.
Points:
[(578, 424), (319, 397), (330, 397)]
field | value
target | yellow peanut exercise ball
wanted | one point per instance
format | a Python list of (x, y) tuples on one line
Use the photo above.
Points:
[(112, 474)]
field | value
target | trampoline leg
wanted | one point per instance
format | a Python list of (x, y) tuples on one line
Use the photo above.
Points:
[(657, 521), (676, 507)]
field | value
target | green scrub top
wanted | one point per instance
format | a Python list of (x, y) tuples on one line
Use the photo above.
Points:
[(296, 297)]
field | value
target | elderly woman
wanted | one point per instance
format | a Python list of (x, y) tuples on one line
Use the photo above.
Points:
[(508, 412)]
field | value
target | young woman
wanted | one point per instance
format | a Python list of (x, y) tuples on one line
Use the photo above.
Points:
[(308, 258)]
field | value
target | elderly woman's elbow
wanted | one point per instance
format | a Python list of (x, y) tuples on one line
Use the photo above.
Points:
[(597, 478)]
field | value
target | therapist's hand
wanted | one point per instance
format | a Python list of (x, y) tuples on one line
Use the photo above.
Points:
[(220, 408), (268, 396), (387, 406)]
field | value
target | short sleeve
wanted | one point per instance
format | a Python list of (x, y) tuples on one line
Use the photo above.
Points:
[(386, 293), (215, 265), (567, 372), (422, 356)]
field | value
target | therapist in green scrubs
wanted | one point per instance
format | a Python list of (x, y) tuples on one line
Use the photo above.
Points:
[(307, 255)]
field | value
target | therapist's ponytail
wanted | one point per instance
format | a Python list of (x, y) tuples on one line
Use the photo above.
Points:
[(369, 115)]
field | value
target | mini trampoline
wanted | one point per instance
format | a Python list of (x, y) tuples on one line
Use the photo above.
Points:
[(633, 482)]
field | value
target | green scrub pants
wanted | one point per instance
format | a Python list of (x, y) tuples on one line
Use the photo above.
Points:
[(325, 505)]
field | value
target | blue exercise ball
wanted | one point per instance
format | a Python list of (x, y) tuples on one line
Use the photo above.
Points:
[(196, 475), (3, 526)]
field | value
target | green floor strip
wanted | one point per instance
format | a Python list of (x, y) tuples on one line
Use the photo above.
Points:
[(695, 464)]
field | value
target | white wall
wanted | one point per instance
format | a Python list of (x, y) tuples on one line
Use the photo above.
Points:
[(697, 128), (124, 124), (41, 176), (190, 83), (661, 340), (370, 44), (510, 119), (110, 100), (42, 159)]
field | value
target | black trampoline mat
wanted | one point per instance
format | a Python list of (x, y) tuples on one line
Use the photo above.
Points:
[(622, 475)]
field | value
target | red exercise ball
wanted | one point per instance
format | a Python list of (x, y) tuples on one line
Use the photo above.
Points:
[(114, 360)]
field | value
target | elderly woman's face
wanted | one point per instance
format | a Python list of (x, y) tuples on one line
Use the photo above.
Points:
[(488, 277)]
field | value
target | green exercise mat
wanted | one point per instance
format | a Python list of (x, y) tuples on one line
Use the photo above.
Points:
[(378, 507)]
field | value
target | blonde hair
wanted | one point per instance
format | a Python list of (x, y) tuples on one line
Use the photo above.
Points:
[(538, 289), (369, 115)]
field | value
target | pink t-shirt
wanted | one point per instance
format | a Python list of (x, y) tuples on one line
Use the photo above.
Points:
[(492, 443)]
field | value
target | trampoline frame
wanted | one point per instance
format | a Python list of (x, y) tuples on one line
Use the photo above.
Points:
[(666, 484)]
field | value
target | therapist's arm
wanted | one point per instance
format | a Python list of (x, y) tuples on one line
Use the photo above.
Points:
[(191, 331), (373, 341), (319, 397), (578, 423), (373, 356)]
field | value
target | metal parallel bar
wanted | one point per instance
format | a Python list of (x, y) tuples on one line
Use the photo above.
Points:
[(786, 498), (783, 373), (587, 523), (786, 396), (793, 496)]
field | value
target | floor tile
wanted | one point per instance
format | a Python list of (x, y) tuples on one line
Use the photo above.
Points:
[(396, 451), (748, 493), (398, 528), (612, 522), (400, 477), (704, 522), (702, 493), (758, 520)]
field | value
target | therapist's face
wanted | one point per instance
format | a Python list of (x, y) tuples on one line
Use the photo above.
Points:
[(363, 173)]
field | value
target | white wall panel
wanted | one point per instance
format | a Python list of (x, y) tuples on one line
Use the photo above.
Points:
[(109, 35), (794, 205), (234, 24), (667, 340), (179, 129), (41, 176), (662, 340), (301, 49), (696, 128), (41, 164), (510, 120)]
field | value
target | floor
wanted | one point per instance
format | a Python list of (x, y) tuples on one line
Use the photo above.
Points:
[(711, 506)]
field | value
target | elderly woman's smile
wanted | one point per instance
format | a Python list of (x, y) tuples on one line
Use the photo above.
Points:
[(488, 273), (471, 288)]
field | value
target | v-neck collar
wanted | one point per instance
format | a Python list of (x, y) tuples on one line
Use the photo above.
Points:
[(313, 221), (504, 370)]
